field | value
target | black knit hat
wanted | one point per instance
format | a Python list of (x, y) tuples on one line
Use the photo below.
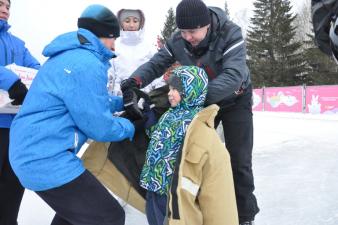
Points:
[(192, 14), (100, 21)]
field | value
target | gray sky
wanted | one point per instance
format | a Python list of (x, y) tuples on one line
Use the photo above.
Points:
[(38, 22)]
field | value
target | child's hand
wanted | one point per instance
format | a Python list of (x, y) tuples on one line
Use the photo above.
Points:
[(149, 115)]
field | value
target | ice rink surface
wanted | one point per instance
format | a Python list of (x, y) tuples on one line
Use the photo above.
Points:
[(295, 163)]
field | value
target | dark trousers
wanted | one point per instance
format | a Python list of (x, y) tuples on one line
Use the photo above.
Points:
[(83, 201), (238, 135), (155, 208), (11, 191)]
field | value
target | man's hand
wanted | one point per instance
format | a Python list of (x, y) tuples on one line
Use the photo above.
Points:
[(130, 98), (17, 92), (130, 102), (129, 83)]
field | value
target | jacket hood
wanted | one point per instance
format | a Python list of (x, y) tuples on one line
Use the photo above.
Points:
[(78, 39), (4, 26), (143, 19), (194, 83), (218, 19)]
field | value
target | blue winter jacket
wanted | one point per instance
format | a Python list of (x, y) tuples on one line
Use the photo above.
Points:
[(67, 103), (12, 50)]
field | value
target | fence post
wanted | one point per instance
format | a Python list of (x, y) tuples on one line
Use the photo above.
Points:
[(304, 98), (263, 99)]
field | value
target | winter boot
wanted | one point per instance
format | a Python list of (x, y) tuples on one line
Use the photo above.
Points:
[(247, 223)]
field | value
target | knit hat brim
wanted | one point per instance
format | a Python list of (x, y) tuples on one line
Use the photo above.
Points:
[(98, 28), (193, 22)]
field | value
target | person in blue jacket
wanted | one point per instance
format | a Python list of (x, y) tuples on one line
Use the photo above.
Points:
[(12, 50), (68, 102)]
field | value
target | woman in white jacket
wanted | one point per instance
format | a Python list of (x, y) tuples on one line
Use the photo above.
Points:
[(132, 50)]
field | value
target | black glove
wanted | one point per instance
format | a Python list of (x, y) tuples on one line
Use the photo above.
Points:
[(130, 102), (130, 98), (129, 83), (17, 92)]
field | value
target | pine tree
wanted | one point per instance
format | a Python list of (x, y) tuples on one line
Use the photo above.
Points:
[(169, 25), (322, 70), (274, 56), (226, 9)]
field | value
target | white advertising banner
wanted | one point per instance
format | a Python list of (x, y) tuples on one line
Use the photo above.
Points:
[(26, 75)]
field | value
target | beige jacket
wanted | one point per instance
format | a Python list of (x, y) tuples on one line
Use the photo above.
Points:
[(202, 191)]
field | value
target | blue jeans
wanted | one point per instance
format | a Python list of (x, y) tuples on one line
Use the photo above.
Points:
[(155, 208)]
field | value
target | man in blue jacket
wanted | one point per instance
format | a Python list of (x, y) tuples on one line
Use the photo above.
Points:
[(208, 39), (12, 50), (68, 103)]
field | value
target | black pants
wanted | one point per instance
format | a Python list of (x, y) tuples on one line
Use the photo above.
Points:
[(83, 201), (237, 124), (11, 191)]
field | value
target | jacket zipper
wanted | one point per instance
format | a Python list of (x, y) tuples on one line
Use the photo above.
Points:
[(174, 186)]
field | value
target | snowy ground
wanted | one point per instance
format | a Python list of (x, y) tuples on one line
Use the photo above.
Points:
[(295, 164)]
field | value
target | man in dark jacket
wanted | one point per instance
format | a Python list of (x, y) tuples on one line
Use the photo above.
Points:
[(325, 26), (208, 39), (12, 50)]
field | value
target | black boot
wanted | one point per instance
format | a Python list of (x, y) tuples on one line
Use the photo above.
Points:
[(247, 223)]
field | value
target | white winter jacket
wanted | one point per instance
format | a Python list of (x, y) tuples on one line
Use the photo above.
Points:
[(132, 51)]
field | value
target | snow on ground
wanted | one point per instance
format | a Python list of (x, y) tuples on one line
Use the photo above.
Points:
[(295, 167)]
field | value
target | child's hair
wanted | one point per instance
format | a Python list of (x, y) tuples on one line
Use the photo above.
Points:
[(175, 82)]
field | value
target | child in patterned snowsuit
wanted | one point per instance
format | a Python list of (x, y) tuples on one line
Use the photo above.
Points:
[(188, 89)]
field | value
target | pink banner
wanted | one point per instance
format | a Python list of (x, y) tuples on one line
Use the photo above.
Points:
[(257, 99), (322, 99), (283, 99)]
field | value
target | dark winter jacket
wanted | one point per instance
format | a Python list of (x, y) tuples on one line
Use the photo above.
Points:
[(12, 50), (223, 58)]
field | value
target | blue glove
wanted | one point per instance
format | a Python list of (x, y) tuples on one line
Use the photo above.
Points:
[(149, 114)]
